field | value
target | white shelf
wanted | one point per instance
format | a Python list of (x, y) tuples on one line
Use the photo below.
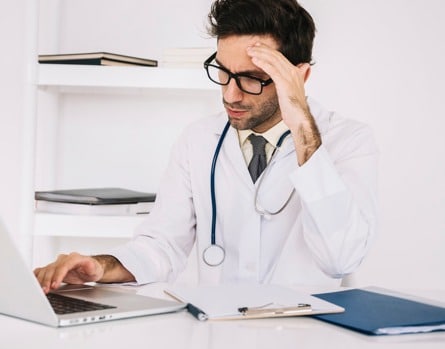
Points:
[(88, 76), (109, 81), (48, 224)]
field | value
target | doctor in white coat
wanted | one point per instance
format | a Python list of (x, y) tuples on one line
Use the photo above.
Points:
[(308, 219)]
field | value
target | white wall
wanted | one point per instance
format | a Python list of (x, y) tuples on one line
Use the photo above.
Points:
[(382, 62), (134, 27), (379, 61), (11, 112), (18, 36)]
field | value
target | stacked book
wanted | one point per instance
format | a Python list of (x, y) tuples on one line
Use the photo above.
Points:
[(94, 201), (187, 57)]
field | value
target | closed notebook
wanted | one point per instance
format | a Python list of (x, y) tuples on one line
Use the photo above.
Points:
[(377, 313), (95, 196)]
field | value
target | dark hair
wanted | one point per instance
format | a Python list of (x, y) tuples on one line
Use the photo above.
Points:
[(285, 20)]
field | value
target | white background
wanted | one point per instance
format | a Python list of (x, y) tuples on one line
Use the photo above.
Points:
[(379, 61)]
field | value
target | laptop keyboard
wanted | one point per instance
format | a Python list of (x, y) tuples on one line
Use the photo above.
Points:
[(68, 305)]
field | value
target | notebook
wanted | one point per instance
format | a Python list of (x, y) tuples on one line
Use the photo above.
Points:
[(21, 296)]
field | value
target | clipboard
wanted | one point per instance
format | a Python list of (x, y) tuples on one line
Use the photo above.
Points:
[(234, 301)]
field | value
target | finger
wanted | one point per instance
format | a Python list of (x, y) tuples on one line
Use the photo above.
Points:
[(75, 269), (51, 276), (58, 276), (285, 75), (44, 278), (270, 60)]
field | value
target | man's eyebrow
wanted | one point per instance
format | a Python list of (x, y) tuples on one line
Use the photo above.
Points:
[(246, 72)]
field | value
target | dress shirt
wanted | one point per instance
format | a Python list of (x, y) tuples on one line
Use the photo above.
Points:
[(272, 136)]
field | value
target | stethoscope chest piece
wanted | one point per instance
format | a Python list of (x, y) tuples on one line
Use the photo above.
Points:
[(213, 255)]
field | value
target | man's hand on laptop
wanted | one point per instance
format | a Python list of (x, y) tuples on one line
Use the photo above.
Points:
[(75, 268)]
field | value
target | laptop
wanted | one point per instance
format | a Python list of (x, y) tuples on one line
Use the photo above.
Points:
[(21, 296)]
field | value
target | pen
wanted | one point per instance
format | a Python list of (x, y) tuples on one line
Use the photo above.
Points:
[(196, 312), (275, 311)]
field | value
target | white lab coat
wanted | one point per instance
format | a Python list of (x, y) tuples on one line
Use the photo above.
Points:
[(322, 234)]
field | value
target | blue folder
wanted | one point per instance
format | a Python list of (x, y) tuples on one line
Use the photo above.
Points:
[(375, 313)]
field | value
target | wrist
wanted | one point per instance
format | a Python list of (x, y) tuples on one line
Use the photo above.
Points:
[(106, 263), (112, 269)]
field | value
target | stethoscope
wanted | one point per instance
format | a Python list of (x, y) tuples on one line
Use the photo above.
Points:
[(214, 254)]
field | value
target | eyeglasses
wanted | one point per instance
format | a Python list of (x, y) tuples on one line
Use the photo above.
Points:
[(222, 76)]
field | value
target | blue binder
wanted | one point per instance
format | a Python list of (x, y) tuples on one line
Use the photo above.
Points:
[(375, 313)]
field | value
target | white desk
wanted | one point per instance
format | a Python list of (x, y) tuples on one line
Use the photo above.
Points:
[(182, 331)]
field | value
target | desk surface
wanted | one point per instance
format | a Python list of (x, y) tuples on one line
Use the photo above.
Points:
[(181, 330)]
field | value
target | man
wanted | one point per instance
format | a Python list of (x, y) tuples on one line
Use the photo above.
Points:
[(310, 216)]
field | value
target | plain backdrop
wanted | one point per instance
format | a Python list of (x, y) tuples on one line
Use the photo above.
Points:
[(380, 61)]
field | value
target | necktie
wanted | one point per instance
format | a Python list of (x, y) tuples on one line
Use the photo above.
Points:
[(259, 161)]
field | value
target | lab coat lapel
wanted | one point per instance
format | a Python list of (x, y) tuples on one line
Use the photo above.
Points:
[(231, 155), (236, 158)]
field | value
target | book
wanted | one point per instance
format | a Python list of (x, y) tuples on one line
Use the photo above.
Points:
[(380, 313), (94, 201), (97, 58), (238, 301), (95, 196)]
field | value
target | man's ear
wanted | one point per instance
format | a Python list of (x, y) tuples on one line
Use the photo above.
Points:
[(305, 69)]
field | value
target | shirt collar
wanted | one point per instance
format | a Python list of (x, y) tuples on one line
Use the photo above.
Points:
[(272, 135)]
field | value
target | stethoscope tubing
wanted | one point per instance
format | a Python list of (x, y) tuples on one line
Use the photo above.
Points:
[(261, 210), (212, 182)]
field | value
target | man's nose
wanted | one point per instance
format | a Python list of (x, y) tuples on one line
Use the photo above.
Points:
[(232, 92)]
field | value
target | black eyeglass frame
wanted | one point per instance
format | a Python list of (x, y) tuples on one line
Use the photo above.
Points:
[(234, 76)]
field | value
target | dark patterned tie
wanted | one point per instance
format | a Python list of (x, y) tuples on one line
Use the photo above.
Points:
[(259, 161)]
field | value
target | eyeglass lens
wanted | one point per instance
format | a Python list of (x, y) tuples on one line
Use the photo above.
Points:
[(246, 84)]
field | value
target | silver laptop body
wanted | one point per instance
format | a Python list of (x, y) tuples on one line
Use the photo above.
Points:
[(21, 295)]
